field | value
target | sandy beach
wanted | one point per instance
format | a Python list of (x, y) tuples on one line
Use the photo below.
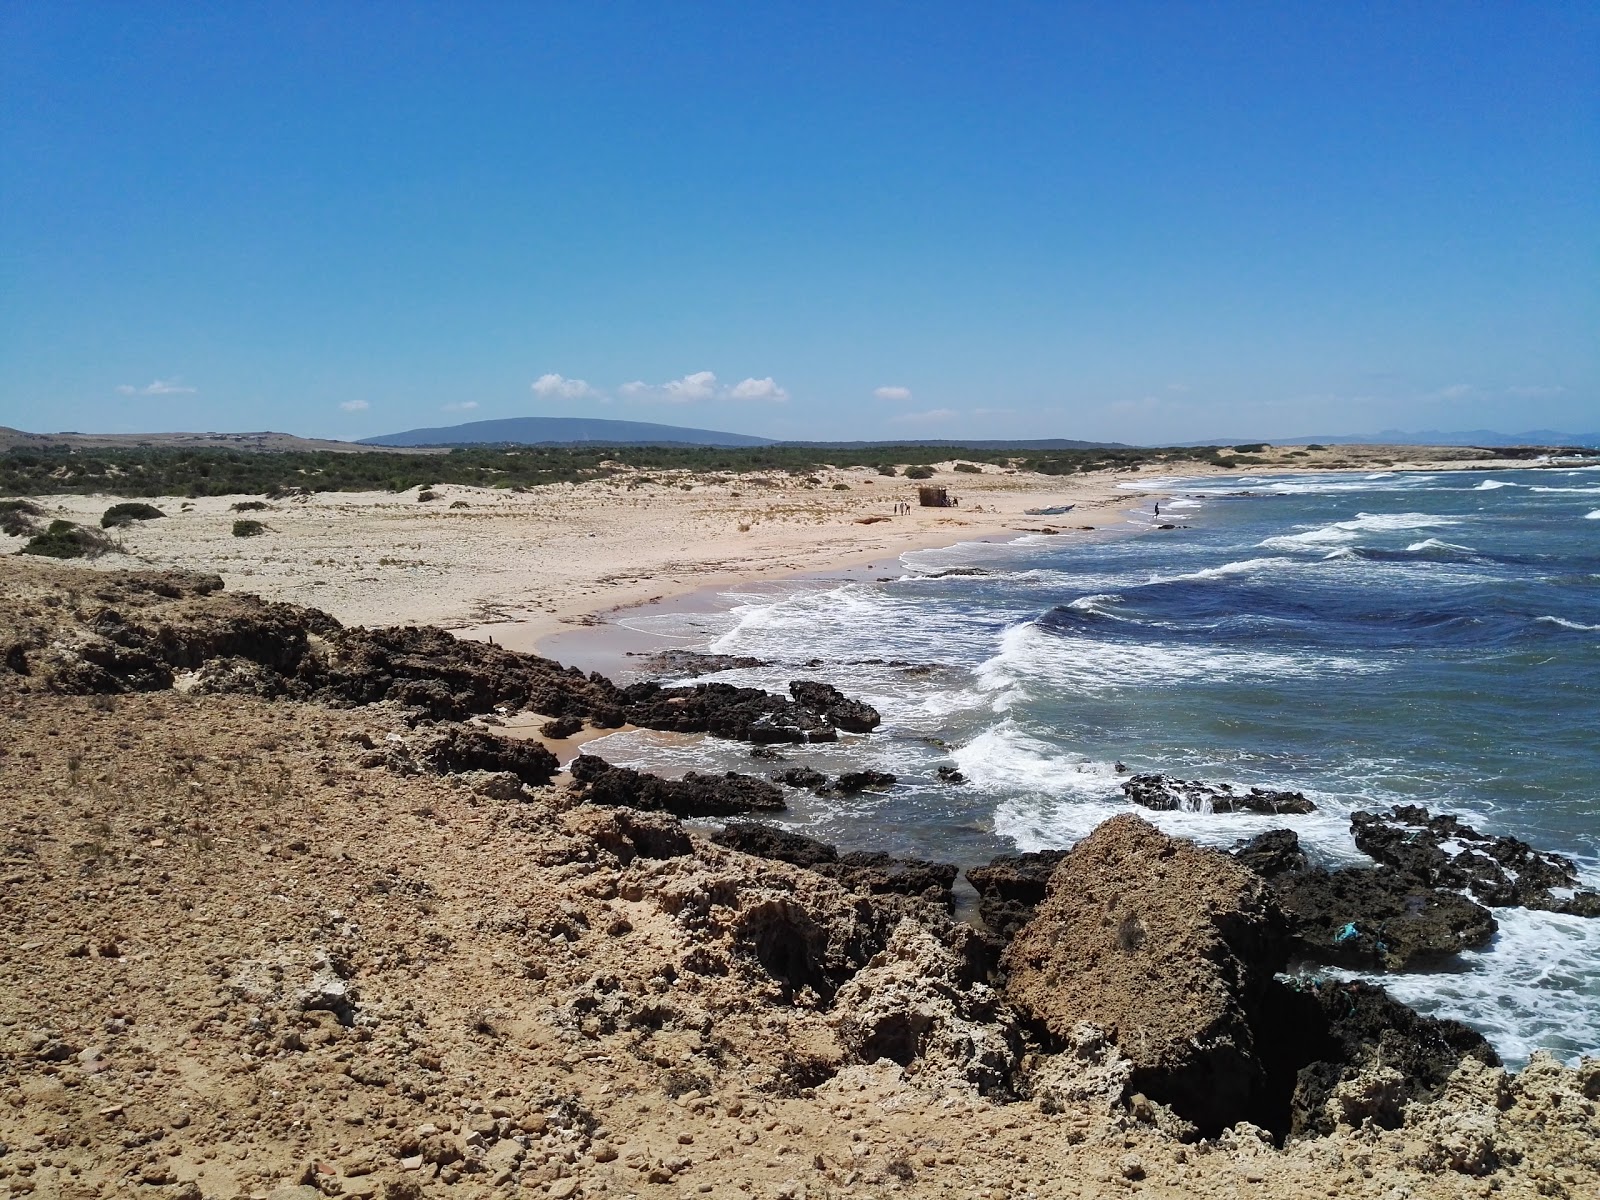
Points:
[(522, 568)]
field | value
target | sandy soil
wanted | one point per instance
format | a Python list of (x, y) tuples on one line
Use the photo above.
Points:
[(522, 567)]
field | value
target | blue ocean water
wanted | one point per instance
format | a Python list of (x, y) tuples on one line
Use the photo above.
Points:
[(1402, 637)]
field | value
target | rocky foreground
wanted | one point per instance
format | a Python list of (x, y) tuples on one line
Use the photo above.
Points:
[(286, 916)]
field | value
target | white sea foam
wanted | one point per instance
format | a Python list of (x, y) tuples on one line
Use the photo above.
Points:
[(1525, 991), (1490, 485), (1436, 544), (1349, 531), (1585, 491), (1566, 624), (1594, 516), (1028, 655)]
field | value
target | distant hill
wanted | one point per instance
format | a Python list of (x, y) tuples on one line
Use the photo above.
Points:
[(537, 431), (1427, 437)]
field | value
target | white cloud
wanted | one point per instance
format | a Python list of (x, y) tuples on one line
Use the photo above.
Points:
[(557, 387), (758, 389), (892, 393), (156, 387), (931, 416), (460, 406), (355, 406), (701, 385)]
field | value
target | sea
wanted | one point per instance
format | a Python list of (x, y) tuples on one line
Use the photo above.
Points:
[(1398, 637)]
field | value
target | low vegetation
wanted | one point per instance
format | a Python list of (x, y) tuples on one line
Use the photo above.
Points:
[(248, 528), (172, 471), (127, 513), (63, 539), (17, 517)]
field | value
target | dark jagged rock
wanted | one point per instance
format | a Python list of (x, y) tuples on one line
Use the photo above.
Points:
[(768, 754), (853, 716), (951, 775), (871, 872), (460, 749), (695, 795), (698, 662), (1444, 852), (852, 783), (768, 841), (1011, 887), (1357, 1029), (1377, 917), (877, 873), (799, 777), (745, 714), (561, 727), (1364, 917), (1163, 794), (1272, 853)]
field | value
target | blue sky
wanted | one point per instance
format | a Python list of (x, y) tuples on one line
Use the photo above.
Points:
[(1126, 221)]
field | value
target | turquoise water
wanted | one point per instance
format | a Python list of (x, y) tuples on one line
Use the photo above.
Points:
[(1402, 637)]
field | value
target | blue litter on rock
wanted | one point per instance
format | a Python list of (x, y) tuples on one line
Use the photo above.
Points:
[(1348, 932)]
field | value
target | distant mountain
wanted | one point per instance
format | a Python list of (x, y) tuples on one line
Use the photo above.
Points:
[(1427, 437), (539, 431)]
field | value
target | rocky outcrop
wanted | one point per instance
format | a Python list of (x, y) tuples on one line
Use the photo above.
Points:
[(853, 783), (1011, 888), (151, 625), (459, 749), (1443, 852), (845, 713), (695, 795), (1373, 1056), (1164, 794), (1169, 948), (913, 1005), (868, 872), (745, 714), (1370, 918)]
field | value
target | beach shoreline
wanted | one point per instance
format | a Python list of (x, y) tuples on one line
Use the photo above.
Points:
[(528, 569)]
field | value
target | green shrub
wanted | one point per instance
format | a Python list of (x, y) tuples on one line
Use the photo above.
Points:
[(425, 495), (919, 472), (967, 468), (128, 512), (248, 528), (63, 539), (841, 487), (16, 517), (249, 506), (1315, 446), (886, 469), (1252, 448)]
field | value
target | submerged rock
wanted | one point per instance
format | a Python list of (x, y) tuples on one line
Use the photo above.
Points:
[(695, 795), (799, 777), (1164, 794), (852, 783)]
